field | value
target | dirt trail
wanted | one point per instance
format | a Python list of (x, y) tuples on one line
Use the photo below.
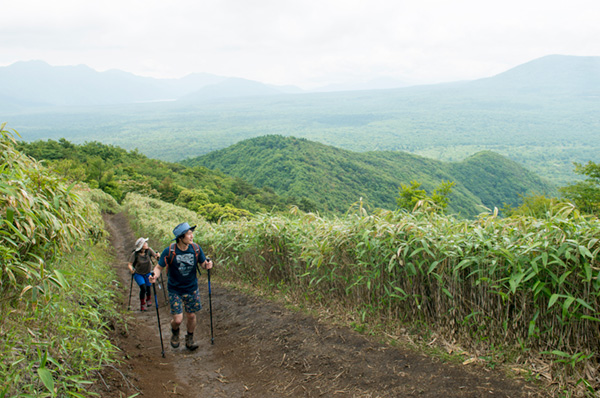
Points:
[(264, 350)]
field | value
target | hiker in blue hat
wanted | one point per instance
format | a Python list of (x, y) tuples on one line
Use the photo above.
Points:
[(180, 260)]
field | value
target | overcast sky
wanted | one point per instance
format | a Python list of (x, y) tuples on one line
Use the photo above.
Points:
[(307, 43)]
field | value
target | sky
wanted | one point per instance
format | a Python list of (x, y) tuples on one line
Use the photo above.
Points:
[(306, 43)]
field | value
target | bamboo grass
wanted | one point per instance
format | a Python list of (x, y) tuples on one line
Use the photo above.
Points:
[(527, 284), (56, 304)]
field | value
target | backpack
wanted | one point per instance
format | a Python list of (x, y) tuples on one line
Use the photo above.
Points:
[(171, 254), (134, 258)]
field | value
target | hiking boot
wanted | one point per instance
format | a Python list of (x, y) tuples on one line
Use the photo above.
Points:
[(148, 301), (189, 342), (175, 338), (143, 305)]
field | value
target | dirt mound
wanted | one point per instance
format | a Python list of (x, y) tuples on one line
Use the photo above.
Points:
[(264, 350)]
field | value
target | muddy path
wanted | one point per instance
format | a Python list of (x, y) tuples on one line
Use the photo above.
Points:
[(263, 350)]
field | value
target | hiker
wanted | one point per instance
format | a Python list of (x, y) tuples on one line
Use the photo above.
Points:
[(180, 260), (140, 266)]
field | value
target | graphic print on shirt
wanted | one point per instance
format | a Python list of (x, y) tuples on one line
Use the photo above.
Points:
[(185, 263)]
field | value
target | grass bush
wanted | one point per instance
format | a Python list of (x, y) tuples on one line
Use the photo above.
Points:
[(56, 296), (54, 345), (156, 219)]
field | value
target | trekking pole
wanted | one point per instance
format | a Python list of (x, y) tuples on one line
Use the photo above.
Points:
[(212, 338), (130, 288), (158, 318)]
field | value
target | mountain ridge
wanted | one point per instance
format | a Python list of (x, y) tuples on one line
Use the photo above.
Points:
[(31, 84), (562, 74), (36, 83)]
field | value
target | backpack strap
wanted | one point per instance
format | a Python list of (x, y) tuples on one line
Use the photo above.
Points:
[(135, 257), (196, 251), (171, 254)]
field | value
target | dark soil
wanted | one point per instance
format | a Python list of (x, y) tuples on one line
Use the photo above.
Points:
[(263, 350)]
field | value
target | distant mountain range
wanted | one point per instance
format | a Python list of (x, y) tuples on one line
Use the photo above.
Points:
[(553, 74), (332, 179), (542, 114), (36, 84)]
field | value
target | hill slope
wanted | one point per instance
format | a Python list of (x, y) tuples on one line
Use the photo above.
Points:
[(331, 179), (549, 75)]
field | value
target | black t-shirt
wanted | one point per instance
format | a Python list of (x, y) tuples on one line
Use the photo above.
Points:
[(182, 269)]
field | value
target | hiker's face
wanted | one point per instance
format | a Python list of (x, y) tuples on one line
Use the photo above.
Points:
[(188, 237)]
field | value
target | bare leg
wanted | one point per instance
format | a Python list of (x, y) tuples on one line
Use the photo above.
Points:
[(176, 321), (191, 322)]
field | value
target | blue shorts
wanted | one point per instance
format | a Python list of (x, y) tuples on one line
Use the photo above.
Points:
[(142, 279), (189, 301)]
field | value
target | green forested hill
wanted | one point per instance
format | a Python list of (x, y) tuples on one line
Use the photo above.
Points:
[(495, 179), (118, 172), (326, 178)]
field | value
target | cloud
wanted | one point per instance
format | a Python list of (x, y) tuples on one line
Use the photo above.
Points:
[(306, 42)]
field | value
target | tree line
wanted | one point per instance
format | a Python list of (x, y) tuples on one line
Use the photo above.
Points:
[(218, 196)]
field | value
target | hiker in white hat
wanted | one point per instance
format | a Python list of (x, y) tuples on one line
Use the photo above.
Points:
[(140, 266), (181, 260)]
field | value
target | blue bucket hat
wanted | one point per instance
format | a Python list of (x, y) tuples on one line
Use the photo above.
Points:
[(182, 229)]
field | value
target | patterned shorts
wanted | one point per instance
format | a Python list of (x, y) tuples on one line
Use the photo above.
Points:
[(190, 302)]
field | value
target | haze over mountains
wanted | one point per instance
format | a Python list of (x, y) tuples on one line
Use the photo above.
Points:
[(554, 75), (35, 83), (542, 114)]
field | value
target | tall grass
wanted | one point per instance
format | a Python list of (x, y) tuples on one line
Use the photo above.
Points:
[(55, 346), (530, 286), (422, 266), (156, 219), (56, 300), (41, 218)]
